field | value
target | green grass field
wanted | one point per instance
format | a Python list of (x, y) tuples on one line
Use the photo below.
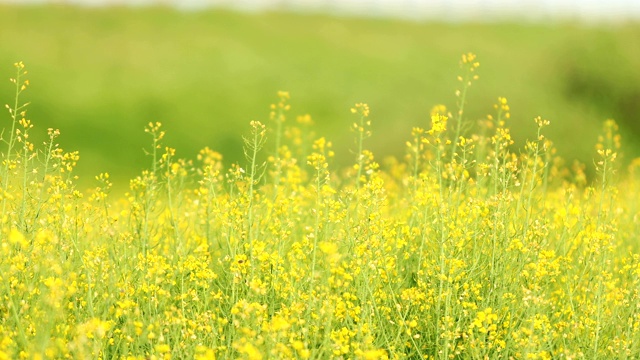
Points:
[(102, 74)]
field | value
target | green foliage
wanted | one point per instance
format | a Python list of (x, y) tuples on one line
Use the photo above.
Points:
[(103, 74)]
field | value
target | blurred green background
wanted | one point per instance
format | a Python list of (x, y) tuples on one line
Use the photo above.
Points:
[(101, 74)]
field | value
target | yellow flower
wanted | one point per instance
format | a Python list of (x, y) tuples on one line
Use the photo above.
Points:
[(16, 238), (438, 124)]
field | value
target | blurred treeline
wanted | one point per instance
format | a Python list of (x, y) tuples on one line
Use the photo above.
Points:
[(101, 74)]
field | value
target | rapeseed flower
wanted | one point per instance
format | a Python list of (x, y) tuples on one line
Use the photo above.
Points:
[(465, 248)]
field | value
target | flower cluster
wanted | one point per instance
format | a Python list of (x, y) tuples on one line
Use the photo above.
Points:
[(464, 249)]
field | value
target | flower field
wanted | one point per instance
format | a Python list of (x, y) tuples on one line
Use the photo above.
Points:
[(469, 247)]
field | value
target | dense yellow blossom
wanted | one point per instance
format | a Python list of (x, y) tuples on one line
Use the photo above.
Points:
[(467, 248)]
